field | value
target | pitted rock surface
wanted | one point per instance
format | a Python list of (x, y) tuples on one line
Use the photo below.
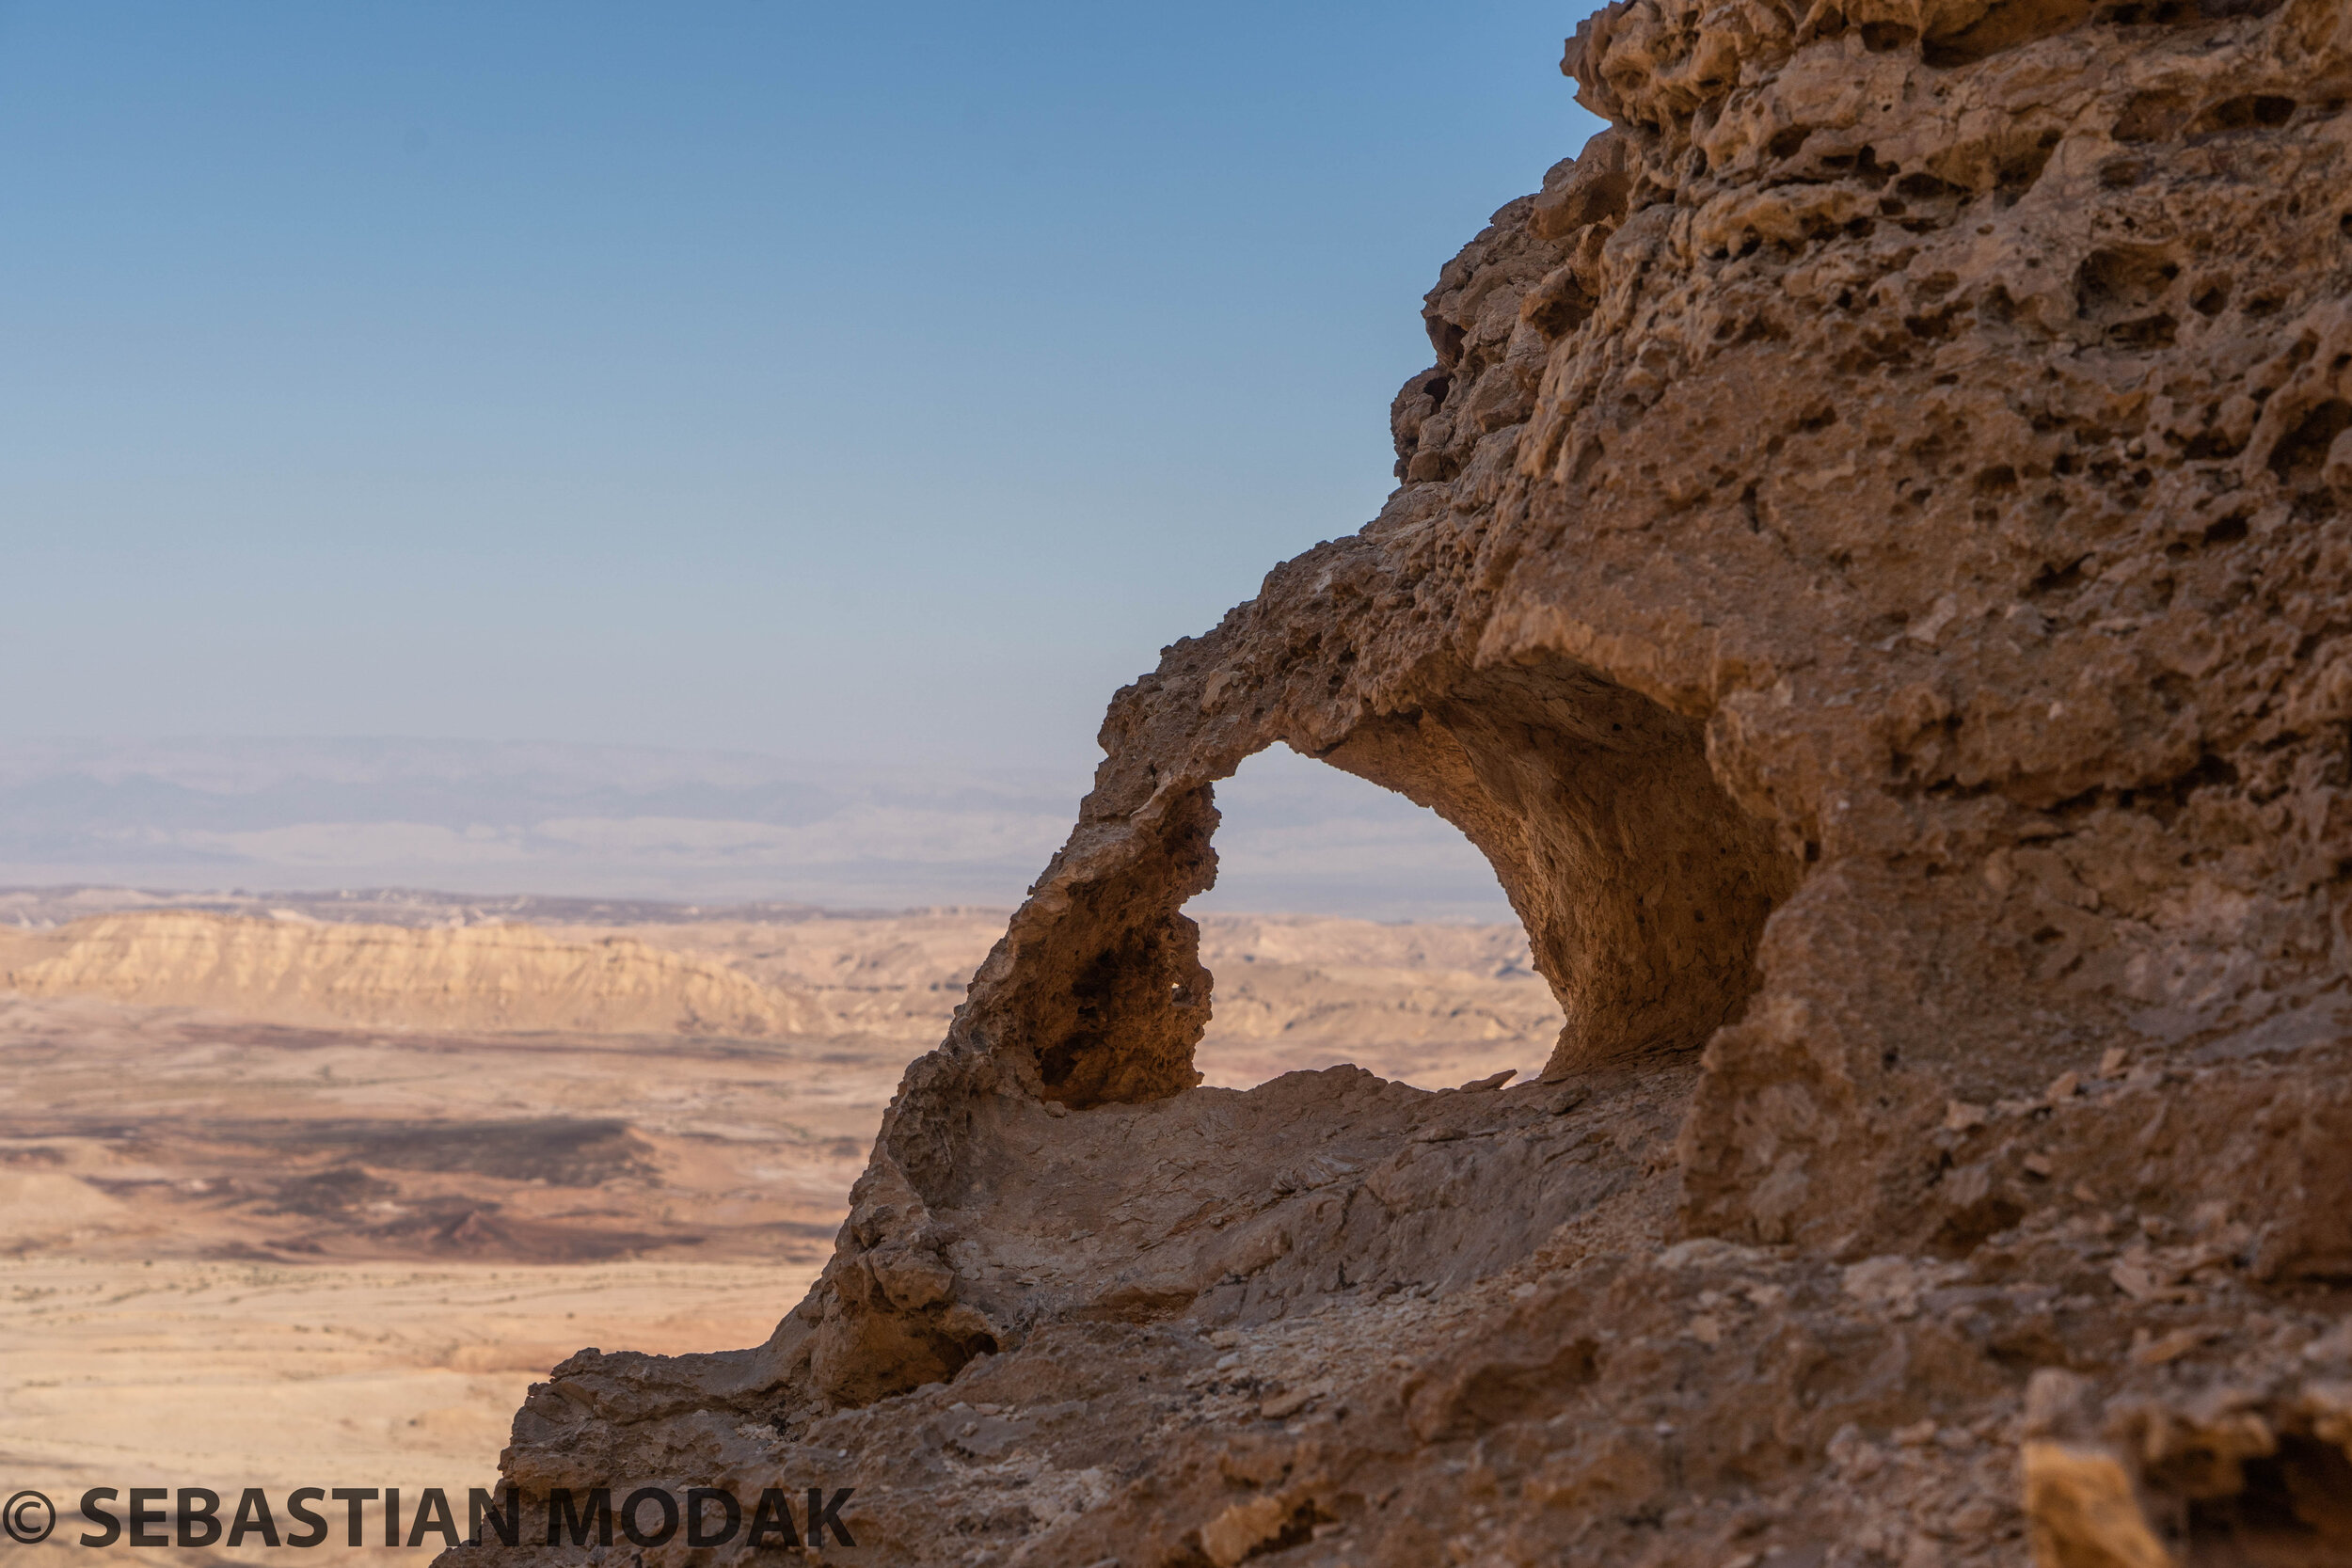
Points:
[(1868, 569)]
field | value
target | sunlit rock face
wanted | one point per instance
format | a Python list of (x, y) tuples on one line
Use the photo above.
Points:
[(1869, 570)]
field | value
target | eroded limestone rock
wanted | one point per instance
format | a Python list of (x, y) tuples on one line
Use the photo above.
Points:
[(1870, 571)]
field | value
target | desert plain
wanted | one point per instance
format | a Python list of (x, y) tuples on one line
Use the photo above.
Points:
[(306, 1189)]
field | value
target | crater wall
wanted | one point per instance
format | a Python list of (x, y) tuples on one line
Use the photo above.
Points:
[(302, 972)]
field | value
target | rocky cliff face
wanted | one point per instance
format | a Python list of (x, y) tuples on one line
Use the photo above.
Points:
[(1868, 571)]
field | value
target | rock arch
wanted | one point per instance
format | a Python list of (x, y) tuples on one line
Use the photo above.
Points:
[(1643, 885)]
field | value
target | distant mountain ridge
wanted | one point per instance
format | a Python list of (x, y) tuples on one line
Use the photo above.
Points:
[(497, 818), (481, 816), (501, 978)]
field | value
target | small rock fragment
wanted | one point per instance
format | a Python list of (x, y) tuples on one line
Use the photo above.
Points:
[(1238, 1531), (2081, 1511), (2171, 1347)]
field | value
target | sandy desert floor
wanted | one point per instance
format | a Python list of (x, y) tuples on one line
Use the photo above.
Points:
[(249, 1243), (227, 1375)]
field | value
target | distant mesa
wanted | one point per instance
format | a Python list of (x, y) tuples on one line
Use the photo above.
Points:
[(497, 978)]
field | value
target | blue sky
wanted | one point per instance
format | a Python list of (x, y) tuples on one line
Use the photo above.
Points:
[(884, 384)]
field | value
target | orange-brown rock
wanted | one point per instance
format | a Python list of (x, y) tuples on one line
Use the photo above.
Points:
[(1870, 571)]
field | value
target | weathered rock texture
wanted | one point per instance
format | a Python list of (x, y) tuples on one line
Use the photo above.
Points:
[(1869, 571)]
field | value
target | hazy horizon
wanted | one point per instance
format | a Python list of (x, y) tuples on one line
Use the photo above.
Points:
[(865, 393), (499, 820)]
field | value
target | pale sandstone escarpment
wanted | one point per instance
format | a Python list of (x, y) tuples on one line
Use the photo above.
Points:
[(1870, 571), (496, 977)]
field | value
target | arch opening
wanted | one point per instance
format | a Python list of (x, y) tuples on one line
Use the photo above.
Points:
[(1352, 925)]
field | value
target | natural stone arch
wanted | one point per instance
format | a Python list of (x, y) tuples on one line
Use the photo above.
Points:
[(1643, 885)]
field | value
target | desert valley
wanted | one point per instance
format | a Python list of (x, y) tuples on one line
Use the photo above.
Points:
[(306, 1189)]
